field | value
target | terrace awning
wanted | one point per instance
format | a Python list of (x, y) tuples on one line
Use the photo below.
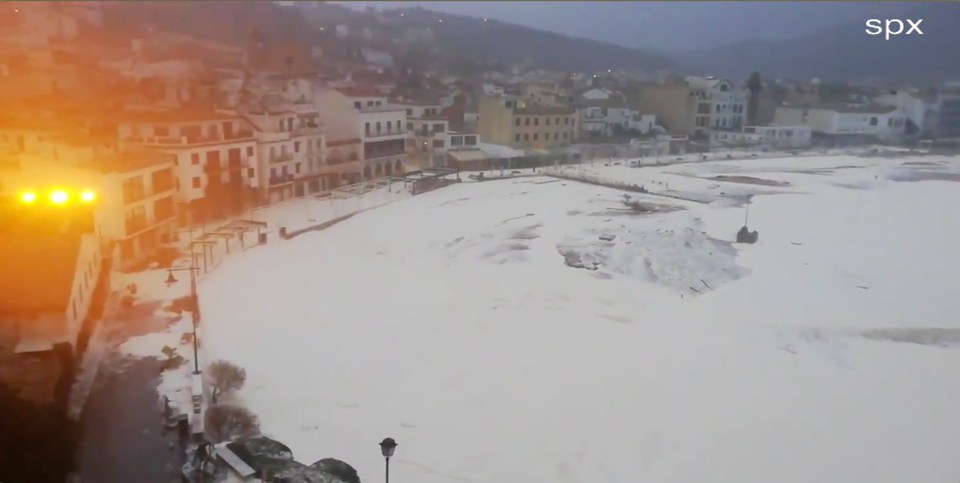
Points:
[(469, 156)]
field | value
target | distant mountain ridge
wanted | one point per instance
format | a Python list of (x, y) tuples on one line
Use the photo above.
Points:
[(458, 36), (512, 44), (846, 52)]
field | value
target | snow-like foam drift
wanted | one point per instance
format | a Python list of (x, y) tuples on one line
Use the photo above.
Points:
[(451, 322)]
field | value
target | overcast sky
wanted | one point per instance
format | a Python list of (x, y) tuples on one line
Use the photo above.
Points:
[(669, 26)]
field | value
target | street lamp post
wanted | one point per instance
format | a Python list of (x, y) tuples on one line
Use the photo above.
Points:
[(387, 446), (194, 305)]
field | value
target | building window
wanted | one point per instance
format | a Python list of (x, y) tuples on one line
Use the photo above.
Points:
[(546, 121), (161, 131), (536, 121), (369, 103), (296, 146), (526, 121), (250, 172), (438, 128), (358, 105), (526, 137), (873, 121), (366, 128), (566, 121), (196, 182), (517, 123), (536, 136), (556, 136), (409, 112), (195, 158), (470, 140), (249, 150), (517, 138), (438, 143), (297, 169), (378, 127), (564, 135), (398, 126), (456, 140)]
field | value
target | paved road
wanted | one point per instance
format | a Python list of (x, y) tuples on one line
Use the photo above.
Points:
[(122, 435)]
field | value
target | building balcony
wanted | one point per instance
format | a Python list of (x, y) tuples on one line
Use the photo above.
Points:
[(283, 158), (281, 180), (341, 161), (386, 154), (307, 130), (386, 134), (175, 141)]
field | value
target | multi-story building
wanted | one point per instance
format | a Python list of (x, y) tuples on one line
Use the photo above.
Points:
[(720, 105), (430, 129), (131, 194), (674, 105), (216, 158), (382, 130), (511, 121), (695, 105), (912, 107), (136, 210), (290, 147), (604, 117), (942, 116), (881, 122)]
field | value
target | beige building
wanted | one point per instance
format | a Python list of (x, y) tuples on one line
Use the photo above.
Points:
[(513, 122), (674, 105), (216, 155), (290, 152)]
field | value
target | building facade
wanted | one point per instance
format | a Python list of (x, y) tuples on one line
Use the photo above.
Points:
[(880, 122), (216, 159), (430, 129), (512, 122)]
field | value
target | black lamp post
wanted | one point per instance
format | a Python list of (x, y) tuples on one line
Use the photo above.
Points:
[(194, 306), (387, 446)]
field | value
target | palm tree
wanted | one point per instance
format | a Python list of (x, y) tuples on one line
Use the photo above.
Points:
[(754, 85)]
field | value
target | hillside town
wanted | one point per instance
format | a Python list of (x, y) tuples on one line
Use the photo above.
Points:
[(120, 154)]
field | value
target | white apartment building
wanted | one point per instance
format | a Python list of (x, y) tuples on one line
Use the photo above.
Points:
[(604, 117), (382, 132), (431, 134), (882, 122), (290, 145), (910, 106), (720, 105), (216, 158)]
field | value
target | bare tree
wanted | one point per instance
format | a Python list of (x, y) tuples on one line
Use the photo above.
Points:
[(227, 422), (224, 378)]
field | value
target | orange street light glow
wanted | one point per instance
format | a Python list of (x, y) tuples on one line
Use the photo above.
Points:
[(28, 197), (88, 196), (59, 197)]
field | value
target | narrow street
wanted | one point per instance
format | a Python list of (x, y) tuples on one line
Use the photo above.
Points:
[(123, 438)]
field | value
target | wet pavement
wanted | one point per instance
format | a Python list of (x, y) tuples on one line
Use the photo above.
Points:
[(123, 438)]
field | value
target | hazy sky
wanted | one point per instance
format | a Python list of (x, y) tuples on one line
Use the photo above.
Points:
[(669, 26)]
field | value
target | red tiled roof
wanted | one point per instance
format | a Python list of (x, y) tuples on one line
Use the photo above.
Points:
[(359, 91), (37, 271), (174, 116)]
